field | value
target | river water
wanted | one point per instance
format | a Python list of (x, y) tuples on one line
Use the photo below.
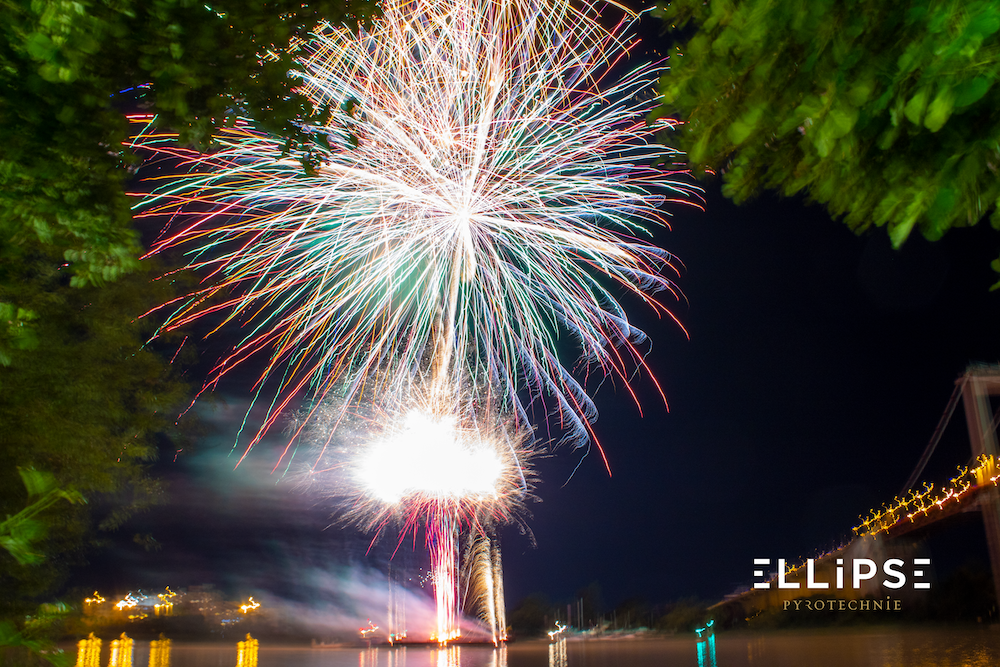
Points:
[(909, 647)]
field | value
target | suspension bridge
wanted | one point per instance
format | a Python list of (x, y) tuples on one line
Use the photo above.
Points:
[(919, 505)]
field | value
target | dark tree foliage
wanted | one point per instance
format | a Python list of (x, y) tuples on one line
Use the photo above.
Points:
[(62, 66), (532, 617), (885, 112), (80, 396), (18, 533), (89, 405)]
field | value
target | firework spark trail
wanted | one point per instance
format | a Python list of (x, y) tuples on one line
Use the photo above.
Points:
[(442, 541), (477, 182), (482, 592), (499, 603)]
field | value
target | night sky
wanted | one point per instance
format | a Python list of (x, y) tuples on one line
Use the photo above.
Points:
[(818, 365)]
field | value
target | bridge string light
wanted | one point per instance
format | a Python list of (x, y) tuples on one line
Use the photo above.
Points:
[(921, 502), (127, 602), (964, 487), (165, 606)]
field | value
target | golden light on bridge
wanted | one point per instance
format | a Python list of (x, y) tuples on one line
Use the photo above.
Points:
[(127, 602), (249, 606), (921, 503), (165, 607)]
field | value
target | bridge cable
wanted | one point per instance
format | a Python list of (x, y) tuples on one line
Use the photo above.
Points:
[(936, 437)]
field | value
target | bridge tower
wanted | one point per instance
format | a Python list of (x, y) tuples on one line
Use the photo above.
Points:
[(977, 385)]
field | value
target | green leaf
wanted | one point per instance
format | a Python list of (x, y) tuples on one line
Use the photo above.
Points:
[(859, 93), (36, 481), (888, 138), (940, 109), (823, 139), (914, 109), (984, 24), (40, 47), (18, 542), (971, 91), (66, 114), (697, 154), (938, 216), (739, 131), (9, 636), (995, 216), (899, 232), (842, 119)]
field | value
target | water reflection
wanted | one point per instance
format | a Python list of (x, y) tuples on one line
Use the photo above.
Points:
[(121, 652), (368, 657), (706, 652), (397, 657), (448, 656), (706, 645), (875, 647), (88, 652), (159, 652), (557, 653), (246, 652)]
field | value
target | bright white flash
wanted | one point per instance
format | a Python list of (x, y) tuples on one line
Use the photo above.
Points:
[(430, 456)]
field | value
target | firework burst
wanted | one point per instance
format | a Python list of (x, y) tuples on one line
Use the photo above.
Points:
[(485, 183), (419, 465), (477, 191), (399, 462)]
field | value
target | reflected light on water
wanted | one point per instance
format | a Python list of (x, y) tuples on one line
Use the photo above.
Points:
[(863, 647), (368, 658), (246, 652), (449, 656), (557, 653), (159, 652), (397, 657), (706, 645), (121, 652), (88, 652), (706, 652), (499, 656)]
